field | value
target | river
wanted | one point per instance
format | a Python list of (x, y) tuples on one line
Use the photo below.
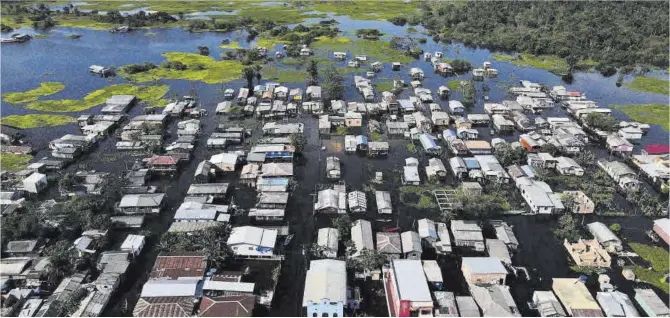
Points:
[(61, 59)]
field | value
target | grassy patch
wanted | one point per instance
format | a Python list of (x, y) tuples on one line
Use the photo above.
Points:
[(411, 30), (233, 45), (653, 114), (160, 103), (411, 147), (341, 130), (367, 10), (37, 120), (422, 195), (45, 89), (384, 86), (145, 93), (375, 136), (13, 162), (551, 63), (283, 76), (649, 85), (84, 22), (339, 43), (199, 68)]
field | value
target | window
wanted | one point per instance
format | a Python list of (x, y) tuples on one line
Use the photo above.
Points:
[(251, 248), (315, 315), (234, 248), (325, 314), (334, 314)]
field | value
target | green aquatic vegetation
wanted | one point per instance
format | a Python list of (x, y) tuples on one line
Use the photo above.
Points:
[(341, 131), (37, 120), (198, 68), (454, 85), (283, 75), (145, 93), (653, 114), (45, 89), (551, 63), (150, 34), (160, 103), (278, 14), (380, 50), (41, 36), (649, 85), (233, 45), (73, 36), (411, 147), (84, 22), (367, 10), (422, 195), (14, 162), (660, 265), (384, 86)]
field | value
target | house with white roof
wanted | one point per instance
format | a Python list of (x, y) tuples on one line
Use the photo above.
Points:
[(251, 241), (539, 196), (328, 239), (325, 292), (361, 235), (406, 287)]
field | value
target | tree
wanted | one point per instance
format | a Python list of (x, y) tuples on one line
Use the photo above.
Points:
[(248, 73), (367, 260), (204, 50), (62, 259), (507, 155), (602, 122), (461, 66), (313, 72), (567, 228), (299, 141), (616, 228), (332, 84), (259, 75), (343, 225), (586, 158)]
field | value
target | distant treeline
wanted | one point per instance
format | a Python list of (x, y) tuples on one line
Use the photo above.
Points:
[(616, 34)]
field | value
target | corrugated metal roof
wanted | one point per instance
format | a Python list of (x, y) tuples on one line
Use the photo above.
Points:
[(410, 280), (484, 265), (326, 279), (167, 288), (432, 271)]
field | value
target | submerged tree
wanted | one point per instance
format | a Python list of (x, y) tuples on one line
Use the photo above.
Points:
[(248, 74), (332, 84), (567, 228), (313, 72)]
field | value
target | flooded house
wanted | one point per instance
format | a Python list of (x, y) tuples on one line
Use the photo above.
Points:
[(410, 175), (650, 303), (498, 249), (502, 124), (588, 253), (252, 242), (389, 244), (411, 245), (483, 271), (118, 104), (478, 73), (427, 231), (357, 202), (617, 144), (211, 191), (278, 129), (539, 196), (440, 118), (383, 200), (495, 301), (436, 168), (467, 133), (616, 304), (295, 95), (281, 93), (333, 168), (456, 107), (161, 164), (443, 68), (605, 236), (148, 203), (478, 147), (228, 93), (624, 176), (361, 236), (405, 283), (353, 120), (331, 201), (546, 304), (328, 240), (325, 288), (35, 183), (458, 167), (313, 93), (467, 234), (378, 148), (429, 144), (397, 128), (277, 170), (416, 73), (225, 162), (568, 166), (576, 298), (505, 234)]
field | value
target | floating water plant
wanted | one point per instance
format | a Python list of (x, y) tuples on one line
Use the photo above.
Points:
[(37, 120), (45, 89)]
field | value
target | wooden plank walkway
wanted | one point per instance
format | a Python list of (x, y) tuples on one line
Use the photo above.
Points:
[(446, 199)]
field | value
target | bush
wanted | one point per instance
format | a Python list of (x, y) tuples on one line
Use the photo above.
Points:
[(616, 228), (401, 21), (138, 68), (461, 66)]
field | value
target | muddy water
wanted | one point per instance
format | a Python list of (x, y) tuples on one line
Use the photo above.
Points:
[(58, 58)]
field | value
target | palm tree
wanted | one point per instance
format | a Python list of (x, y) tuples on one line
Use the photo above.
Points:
[(248, 73)]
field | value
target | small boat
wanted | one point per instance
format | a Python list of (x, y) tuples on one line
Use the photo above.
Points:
[(288, 239)]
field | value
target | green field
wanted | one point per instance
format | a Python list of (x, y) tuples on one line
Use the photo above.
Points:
[(653, 114), (376, 49), (37, 120), (551, 63), (649, 85), (148, 94), (199, 68), (13, 162), (384, 86), (45, 89), (283, 75), (367, 10)]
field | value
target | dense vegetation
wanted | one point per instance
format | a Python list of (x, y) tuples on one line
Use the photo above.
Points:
[(612, 33)]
